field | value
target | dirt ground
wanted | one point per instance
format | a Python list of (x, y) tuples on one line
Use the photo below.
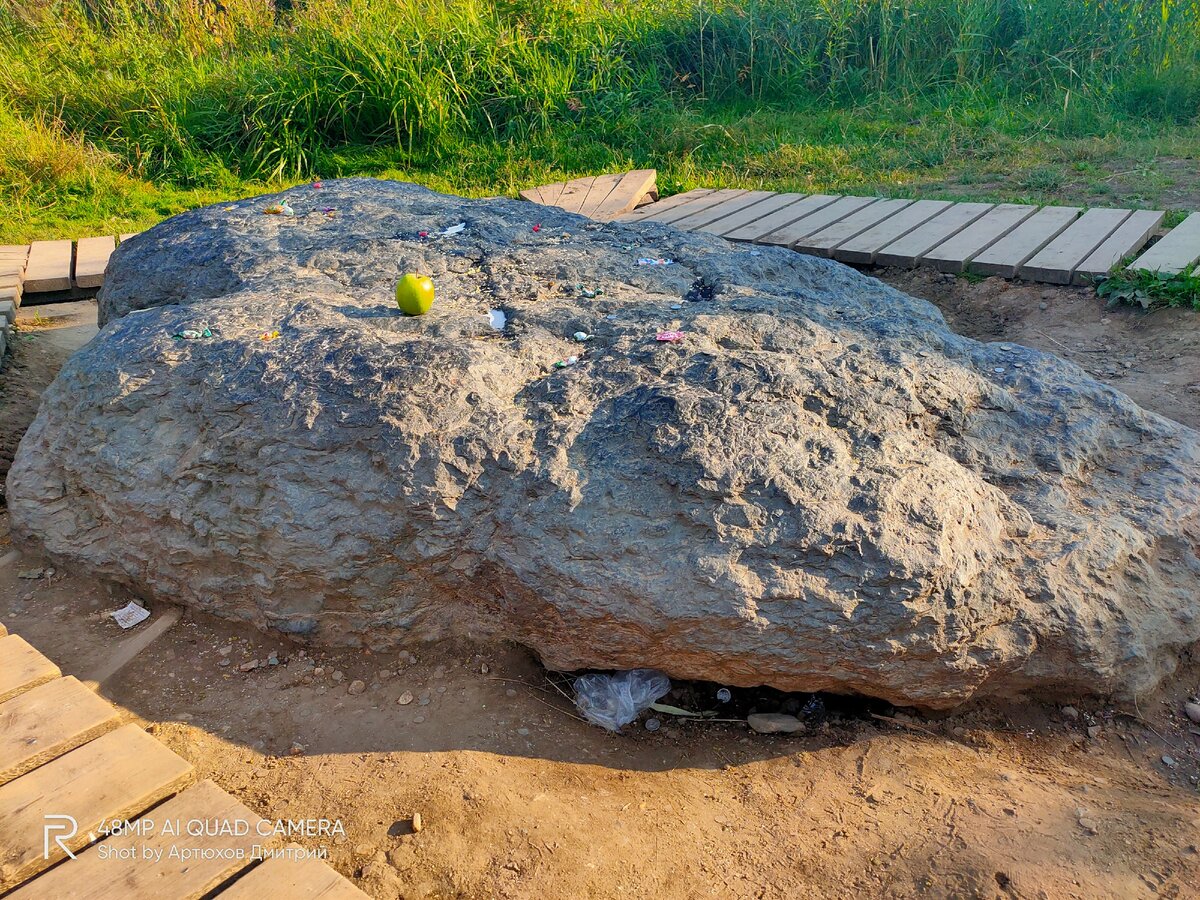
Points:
[(520, 799)]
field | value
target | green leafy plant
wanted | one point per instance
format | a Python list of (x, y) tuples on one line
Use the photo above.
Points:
[(1150, 290)]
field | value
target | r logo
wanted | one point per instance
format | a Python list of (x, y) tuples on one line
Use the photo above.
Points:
[(54, 824)]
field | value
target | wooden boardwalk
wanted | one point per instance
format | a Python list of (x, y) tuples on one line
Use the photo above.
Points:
[(1053, 244), (64, 751)]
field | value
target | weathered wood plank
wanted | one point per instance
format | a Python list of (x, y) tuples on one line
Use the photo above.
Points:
[(22, 668), (100, 872), (721, 210), (1126, 240), (671, 202), (600, 188), (1056, 262), (116, 776), (1006, 256), (48, 721), (825, 241), (956, 252), (533, 195), (863, 248), (291, 879), (1178, 249), (751, 214), (628, 193), (49, 267), (574, 193), (670, 216), (128, 235), (787, 214), (816, 221), (911, 249), (91, 258)]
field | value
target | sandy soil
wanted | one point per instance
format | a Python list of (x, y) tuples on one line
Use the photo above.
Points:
[(520, 799)]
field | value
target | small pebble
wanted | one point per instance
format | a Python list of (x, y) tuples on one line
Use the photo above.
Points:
[(419, 719), (339, 676), (1169, 761), (1192, 711), (653, 724), (356, 687), (405, 698), (417, 824)]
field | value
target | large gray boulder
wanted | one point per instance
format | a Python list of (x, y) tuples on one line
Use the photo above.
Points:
[(819, 488)]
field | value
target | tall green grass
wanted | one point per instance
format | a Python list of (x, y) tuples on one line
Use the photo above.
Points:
[(202, 95)]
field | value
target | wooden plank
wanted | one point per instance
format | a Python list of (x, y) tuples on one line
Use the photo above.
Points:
[(1175, 252), (670, 216), (957, 251), (825, 241), (787, 214), (816, 221), (574, 193), (628, 193), (128, 235), (721, 210), (1121, 243), (22, 668), (862, 249), (291, 879), (671, 202), (533, 195), (100, 872), (91, 258), (1006, 256), (49, 267), (752, 213), (1056, 262), (911, 249), (601, 187), (116, 776), (48, 721)]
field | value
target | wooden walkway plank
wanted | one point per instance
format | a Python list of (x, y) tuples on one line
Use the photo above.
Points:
[(22, 668), (574, 193), (911, 249), (758, 228), (291, 879), (91, 258), (627, 194), (956, 252), (751, 214), (1006, 256), (671, 202), (533, 195), (827, 215), (1056, 262), (601, 187), (1175, 252), (48, 721), (117, 776), (863, 249), (128, 235), (825, 241), (1121, 243), (721, 210), (96, 875), (49, 267), (671, 216)]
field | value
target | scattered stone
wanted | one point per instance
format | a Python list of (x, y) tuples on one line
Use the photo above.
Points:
[(224, 664), (1088, 824), (357, 686), (1169, 761), (405, 698), (226, 650), (653, 724), (1070, 712), (297, 749), (1094, 731), (30, 574), (319, 671), (523, 732), (774, 723), (1192, 711), (419, 719), (510, 692), (248, 666), (339, 676), (273, 659), (417, 824), (384, 674)]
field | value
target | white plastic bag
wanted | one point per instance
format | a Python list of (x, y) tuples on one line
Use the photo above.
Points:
[(611, 701)]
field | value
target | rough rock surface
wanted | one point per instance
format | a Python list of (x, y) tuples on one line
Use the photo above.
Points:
[(819, 488)]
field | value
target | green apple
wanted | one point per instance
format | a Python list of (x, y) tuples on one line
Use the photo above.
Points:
[(414, 294)]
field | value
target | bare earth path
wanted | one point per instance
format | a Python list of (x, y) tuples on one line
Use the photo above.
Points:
[(519, 799)]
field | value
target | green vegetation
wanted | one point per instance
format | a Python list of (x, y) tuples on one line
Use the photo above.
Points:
[(1150, 290), (115, 113)]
